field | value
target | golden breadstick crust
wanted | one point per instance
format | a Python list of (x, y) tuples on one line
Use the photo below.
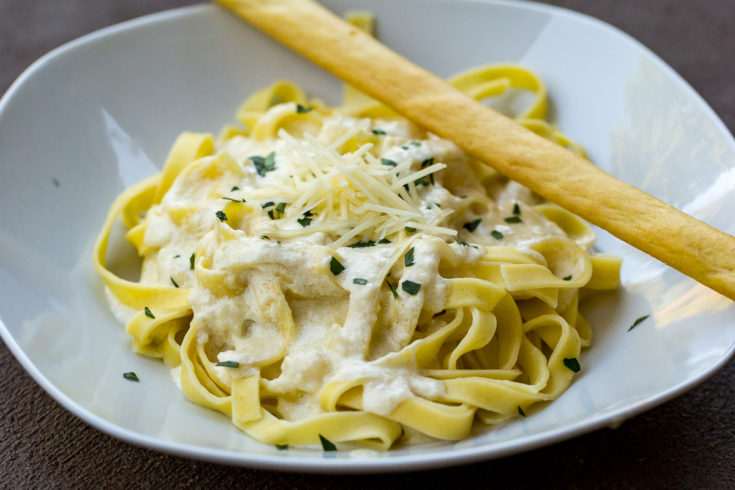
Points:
[(689, 245)]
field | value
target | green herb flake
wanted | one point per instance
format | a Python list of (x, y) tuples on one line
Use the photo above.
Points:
[(281, 207), (221, 215), (272, 214), (265, 237), (308, 213), (300, 109), (55, 181), (463, 196), (191, 261), (638, 321), (379, 132), (496, 234), (572, 363), (411, 287), (521, 412), (464, 244), (131, 376), (148, 312), (427, 162), (408, 259), (264, 165), (327, 445), (513, 219), (234, 188), (388, 162), (414, 143), (410, 229), (392, 289), (516, 209), (173, 282), (335, 266), (368, 243), (281, 447), (383, 240), (304, 221), (177, 256), (360, 281), (233, 199), (472, 225), (229, 364), (567, 278), (267, 204)]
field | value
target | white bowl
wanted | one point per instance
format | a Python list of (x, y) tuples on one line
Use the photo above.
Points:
[(99, 114)]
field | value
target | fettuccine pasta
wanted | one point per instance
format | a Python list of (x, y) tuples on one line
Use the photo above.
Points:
[(339, 274)]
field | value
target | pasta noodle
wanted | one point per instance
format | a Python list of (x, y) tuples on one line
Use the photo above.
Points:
[(319, 273)]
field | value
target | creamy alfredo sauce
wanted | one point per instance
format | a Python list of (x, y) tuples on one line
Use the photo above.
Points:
[(347, 326)]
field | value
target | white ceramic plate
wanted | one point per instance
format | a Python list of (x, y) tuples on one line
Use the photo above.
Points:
[(99, 114)]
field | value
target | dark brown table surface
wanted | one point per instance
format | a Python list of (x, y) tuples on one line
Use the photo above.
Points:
[(688, 442)]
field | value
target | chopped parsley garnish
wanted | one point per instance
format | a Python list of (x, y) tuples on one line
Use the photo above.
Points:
[(383, 240), (424, 164), (234, 188), (378, 131), (411, 287), (516, 209), (304, 221), (572, 363), (472, 225), (264, 165), (513, 219), (638, 321), (408, 259), (327, 445), (360, 281), (308, 213), (388, 161), (300, 109), (148, 312), (233, 199), (267, 204), (567, 278), (173, 282), (265, 237), (221, 215), (177, 256), (230, 364), (521, 412), (335, 266), (277, 213), (55, 181), (463, 196), (392, 289), (410, 229), (131, 376), (496, 234), (368, 243), (281, 447), (464, 244), (191, 261)]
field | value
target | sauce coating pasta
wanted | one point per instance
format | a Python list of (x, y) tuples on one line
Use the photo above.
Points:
[(339, 273)]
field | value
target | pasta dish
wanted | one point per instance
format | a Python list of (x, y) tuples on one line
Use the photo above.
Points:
[(339, 274)]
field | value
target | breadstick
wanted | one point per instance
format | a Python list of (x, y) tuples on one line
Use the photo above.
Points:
[(649, 224)]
